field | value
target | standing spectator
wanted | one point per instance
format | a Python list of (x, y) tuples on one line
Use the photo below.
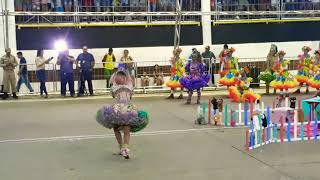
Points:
[(44, 5), (158, 75), (194, 51), (152, 5), (67, 5), (18, 5), (86, 68), (41, 72), (58, 6), (97, 4), (66, 72), (108, 61), (23, 73), (27, 5), (209, 57), (8, 63), (128, 64), (36, 5)]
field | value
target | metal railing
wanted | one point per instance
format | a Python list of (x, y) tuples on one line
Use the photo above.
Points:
[(139, 71)]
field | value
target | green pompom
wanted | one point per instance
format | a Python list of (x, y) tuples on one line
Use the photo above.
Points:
[(143, 115), (267, 77)]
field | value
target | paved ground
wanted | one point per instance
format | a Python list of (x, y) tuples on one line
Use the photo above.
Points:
[(60, 140)]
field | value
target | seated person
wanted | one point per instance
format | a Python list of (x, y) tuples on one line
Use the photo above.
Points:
[(145, 80), (158, 75)]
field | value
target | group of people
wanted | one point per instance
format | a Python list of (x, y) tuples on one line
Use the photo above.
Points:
[(84, 63)]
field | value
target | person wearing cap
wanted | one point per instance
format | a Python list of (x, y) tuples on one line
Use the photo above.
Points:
[(66, 72), (304, 65), (108, 61), (86, 61), (8, 62), (209, 57)]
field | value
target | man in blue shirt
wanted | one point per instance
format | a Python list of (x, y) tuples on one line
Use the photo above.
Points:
[(23, 73), (66, 72), (87, 63)]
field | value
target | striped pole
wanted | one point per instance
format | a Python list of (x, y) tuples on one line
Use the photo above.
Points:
[(246, 113), (252, 139), (239, 112), (281, 129), (234, 118), (226, 115), (247, 140), (308, 129), (275, 133), (315, 126), (273, 104), (251, 109), (231, 118), (302, 131), (209, 112), (264, 135), (268, 123), (288, 130)]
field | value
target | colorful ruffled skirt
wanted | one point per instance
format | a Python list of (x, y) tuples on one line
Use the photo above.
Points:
[(284, 84), (315, 82), (247, 95), (120, 114), (174, 83), (228, 80), (301, 77), (191, 82)]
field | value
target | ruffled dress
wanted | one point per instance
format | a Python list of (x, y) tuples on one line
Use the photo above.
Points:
[(282, 81), (196, 78), (122, 112), (176, 72)]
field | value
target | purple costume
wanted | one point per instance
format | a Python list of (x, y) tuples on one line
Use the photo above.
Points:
[(122, 112), (195, 80)]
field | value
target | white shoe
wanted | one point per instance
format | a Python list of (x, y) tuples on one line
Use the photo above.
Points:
[(125, 153)]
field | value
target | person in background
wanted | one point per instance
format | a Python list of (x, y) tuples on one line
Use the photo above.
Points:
[(108, 61), (87, 63), (67, 5), (8, 62), (44, 5), (223, 52), (36, 5), (128, 64), (41, 72), (209, 57), (97, 4), (158, 75), (194, 51), (58, 6), (66, 72), (27, 5), (18, 5), (23, 73), (152, 5), (145, 80)]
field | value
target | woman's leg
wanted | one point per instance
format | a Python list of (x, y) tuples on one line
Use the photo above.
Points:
[(199, 96), (118, 135), (190, 92), (126, 136)]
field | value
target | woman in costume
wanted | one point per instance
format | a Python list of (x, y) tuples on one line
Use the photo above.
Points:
[(122, 115), (241, 91), (284, 81), (196, 78), (229, 69), (315, 80), (176, 70), (304, 66)]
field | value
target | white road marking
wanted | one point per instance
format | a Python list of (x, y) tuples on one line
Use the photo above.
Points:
[(85, 137)]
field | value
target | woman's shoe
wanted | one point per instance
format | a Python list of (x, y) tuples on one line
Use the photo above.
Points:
[(125, 151)]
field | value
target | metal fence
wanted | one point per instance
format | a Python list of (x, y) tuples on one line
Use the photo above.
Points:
[(144, 74)]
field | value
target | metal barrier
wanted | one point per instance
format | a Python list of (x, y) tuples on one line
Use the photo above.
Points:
[(140, 71)]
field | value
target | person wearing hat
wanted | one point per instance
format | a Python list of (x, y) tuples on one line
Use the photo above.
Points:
[(209, 57), (177, 70), (108, 61), (229, 69), (8, 62), (304, 65), (284, 80)]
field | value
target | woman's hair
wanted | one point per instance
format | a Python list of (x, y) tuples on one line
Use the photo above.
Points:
[(126, 50), (316, 52), (225, 46), (39, 52)]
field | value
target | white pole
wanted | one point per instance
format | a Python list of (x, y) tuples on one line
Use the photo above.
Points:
[(286, 102), (206, 23), (295, 123), (262, 107), (240, 119)]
